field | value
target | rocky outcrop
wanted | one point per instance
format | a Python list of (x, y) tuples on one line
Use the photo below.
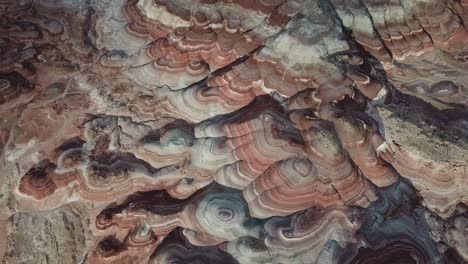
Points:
[(246, 131)]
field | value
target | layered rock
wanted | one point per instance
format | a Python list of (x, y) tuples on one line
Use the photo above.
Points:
[(245, 131)]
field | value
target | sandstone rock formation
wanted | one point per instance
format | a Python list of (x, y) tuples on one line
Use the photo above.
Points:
[(234, 131)]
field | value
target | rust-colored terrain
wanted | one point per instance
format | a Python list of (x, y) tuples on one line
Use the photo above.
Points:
[(234, 131)]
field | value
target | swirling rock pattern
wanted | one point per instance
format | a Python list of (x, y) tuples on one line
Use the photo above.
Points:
[(234, 131)]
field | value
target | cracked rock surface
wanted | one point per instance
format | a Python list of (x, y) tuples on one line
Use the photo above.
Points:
[(234, 131)]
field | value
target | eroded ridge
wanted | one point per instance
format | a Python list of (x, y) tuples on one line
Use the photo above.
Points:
[(245, 131)]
